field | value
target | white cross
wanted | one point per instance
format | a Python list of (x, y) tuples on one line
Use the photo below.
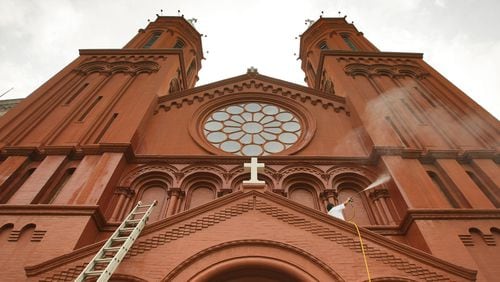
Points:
[(254, 167)]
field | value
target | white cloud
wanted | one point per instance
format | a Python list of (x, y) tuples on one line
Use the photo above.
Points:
[(39, 38)]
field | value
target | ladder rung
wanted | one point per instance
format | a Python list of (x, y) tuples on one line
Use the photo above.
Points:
[(111, 256), (136, 213), (133, 221), (93, 273), (112, 249), (119, 239), (103, 260)]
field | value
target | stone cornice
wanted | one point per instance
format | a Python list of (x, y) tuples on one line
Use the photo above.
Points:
[(130, 51), (50, 210), (341, 53), (433, 214), (448, 214), (77, 152)]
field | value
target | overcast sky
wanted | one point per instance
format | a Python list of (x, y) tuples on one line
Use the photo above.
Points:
[(459, 38)]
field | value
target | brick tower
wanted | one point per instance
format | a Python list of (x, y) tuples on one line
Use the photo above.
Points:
[(118, 126)]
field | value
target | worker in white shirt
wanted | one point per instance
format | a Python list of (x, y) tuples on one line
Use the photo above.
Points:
[(337, 211)]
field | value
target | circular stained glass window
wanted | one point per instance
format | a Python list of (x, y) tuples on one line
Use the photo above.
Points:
[(252, 129)]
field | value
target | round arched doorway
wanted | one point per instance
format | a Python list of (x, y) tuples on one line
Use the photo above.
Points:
[(249, 269), (252, 260)]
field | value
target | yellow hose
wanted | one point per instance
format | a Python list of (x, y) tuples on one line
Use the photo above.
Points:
[(362, 250)]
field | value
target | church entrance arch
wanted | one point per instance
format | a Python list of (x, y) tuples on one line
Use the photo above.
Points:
[(252, 260)]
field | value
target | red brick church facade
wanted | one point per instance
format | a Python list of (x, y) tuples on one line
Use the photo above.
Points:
[(118, 126)]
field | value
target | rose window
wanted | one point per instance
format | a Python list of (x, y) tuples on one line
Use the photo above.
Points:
[(252, 129)]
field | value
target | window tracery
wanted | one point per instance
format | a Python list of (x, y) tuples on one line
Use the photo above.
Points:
[(252, 129)]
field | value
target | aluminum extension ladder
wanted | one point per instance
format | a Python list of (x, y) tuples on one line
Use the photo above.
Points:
[(114, 250)]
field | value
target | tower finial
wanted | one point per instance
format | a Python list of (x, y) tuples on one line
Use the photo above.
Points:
[(192, 21)]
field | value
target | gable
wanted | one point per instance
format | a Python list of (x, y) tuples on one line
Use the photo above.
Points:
[(326, 125), (270, 226)]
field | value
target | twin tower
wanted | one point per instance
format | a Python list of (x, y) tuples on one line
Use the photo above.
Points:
[(119, 126)]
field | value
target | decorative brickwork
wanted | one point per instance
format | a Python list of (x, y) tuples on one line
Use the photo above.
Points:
[(165, 237), (348, 242), (468, 239), (326, 101), (36, 236)]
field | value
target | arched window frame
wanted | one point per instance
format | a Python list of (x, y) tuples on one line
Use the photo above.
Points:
[(486, 189), (310, 71), (309, 188), (322, 45), (179, 44), (197, 180), (348, 41), (152, 39), (174, 86), (306, 181), (199, 185), (25, 174), (131, 190), (47, 196), (356, 183), (454, 197), (191, 68)]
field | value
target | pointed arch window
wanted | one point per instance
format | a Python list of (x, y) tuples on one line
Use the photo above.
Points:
[(7, 193), (179, 44), (57, 189), (492, 195), (175, 86), (191, 68), (152, 40), (311, 71), (323, 46), (348, 41), (453, 198)]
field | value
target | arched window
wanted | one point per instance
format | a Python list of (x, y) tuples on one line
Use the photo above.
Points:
[(154, 192), (200, 188), (490, 193), (362, 209), (444, 190), (191, 68), (347, 39), (322, 45), (356, 210), (304, 188), (7, 193), (303, 194), (179, 44), (328, 87), (201, 195), (311, 71), (152, 39), (175, 86), (60, 184)]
